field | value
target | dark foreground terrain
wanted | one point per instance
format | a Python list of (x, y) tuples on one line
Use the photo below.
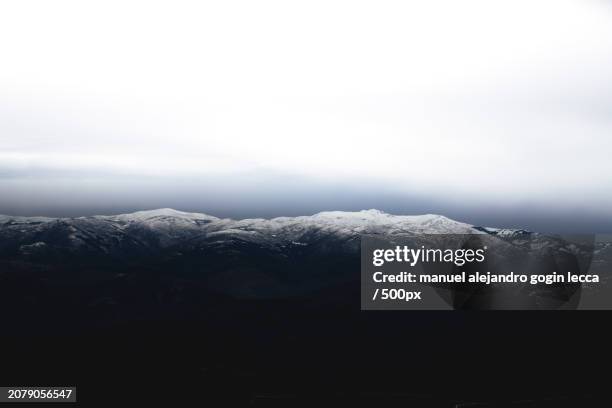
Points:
[(167, 308), (255, 355)]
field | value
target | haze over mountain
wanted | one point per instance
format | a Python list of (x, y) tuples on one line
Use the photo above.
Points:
[(245, 110)]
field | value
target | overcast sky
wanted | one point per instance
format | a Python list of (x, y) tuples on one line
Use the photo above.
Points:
[(471, 107)]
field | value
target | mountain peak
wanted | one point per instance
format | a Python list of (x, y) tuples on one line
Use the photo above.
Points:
[(158, 212), (161, 212)]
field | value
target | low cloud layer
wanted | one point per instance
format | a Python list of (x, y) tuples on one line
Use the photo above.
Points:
[(489, 112)]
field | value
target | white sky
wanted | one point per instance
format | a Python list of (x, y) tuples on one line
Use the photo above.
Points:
[(511, 99)]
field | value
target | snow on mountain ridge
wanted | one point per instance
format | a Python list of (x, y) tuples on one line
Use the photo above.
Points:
[(352, 217), (167, 227), (152, 230), (357, 221), (158, 213), (22, 219)]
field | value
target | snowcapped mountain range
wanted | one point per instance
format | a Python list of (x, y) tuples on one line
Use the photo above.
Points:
[(164, 228), (168, 261), (250, 257)]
